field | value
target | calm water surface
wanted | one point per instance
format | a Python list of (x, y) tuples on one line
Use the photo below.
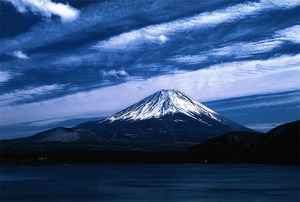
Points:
[(151, 182)]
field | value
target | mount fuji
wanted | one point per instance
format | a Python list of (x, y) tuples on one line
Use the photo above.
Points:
[(166, 119), (162, 103)]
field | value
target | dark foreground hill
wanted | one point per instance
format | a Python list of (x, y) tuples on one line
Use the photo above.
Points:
[(279, 146)]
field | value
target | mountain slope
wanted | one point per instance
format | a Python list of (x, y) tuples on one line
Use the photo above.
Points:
[(168, 118), (279, 145), (162, 103), (67, 135), (230, 147), (57, 136)]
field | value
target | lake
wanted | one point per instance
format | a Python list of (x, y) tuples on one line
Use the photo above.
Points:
[(151, 182)]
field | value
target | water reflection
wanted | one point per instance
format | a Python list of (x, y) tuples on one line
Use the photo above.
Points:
[(151, 182)]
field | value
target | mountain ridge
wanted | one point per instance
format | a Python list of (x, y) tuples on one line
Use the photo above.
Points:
[(278, 146)]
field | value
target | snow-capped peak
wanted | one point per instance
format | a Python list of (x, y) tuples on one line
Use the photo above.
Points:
[(162, 103)]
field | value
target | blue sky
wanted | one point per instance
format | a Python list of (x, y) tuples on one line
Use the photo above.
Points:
[(63, 62)]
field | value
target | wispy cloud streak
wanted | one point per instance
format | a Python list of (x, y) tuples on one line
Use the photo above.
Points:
[(29, 92), (189, 59), (264, 127), (99, 16), (244, 49), (162, 32), (46, 8), (4, 76), (289, 34)]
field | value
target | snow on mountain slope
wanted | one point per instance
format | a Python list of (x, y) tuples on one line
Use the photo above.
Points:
[(165, 102), (66, 135), (61, 135)]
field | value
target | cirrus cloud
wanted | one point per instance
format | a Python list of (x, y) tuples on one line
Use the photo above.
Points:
[(46, 8), (29, 92), (160, 33), (4, 76), (244, 49), (290, 34)]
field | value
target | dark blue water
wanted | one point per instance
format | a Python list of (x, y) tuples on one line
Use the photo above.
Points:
[(151, 182)]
